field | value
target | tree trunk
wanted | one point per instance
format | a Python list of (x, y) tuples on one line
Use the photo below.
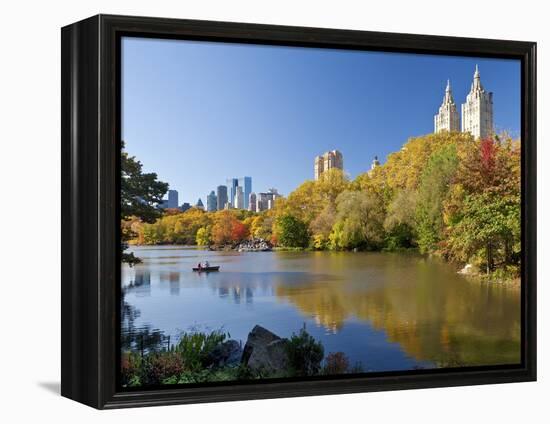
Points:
[(507, 251), (489, 250)]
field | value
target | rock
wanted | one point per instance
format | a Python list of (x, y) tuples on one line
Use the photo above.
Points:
[(254, 245), (265, 351), (467, 270), (227, 353)]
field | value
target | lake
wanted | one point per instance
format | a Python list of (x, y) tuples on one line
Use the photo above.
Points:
[(385, 311)]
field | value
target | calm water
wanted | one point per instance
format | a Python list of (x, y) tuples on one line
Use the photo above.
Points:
[(386, 311)]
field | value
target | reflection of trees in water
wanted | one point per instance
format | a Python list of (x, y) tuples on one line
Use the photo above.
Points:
[(138, 339), (140, 283), (451, 323)]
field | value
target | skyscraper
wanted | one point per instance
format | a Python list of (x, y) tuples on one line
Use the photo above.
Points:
[(252, 202), (221, 197), (246, 184), (211, 202), (172, 201), (447, 119), (239, 198), (265, 201), (328, 160), (232, 184), (477, 112), (199, 204)]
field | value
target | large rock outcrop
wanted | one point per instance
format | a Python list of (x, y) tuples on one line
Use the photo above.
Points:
[(264, 351)]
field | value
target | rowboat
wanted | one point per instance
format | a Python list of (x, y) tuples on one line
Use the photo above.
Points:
[(207, 269)]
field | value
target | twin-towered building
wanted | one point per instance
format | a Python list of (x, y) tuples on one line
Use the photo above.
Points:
[(477, 111)]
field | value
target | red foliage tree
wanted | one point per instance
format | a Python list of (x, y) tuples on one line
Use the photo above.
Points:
[(487, 153), (239, 231), (488, 167)]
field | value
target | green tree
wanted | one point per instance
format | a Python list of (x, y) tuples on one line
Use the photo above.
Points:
[(400, 220), (140, 194), (359, 221), (488, 222), (434, 186), (484, 209), (305, 354), (292, 232)]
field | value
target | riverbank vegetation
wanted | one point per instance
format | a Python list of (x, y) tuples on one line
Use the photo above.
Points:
[(444, 194), (201, 357)]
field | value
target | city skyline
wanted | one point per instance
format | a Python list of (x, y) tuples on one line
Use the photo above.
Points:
[(272, 109), (218, 199)]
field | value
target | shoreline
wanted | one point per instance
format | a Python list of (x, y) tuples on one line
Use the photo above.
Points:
[(509, 282)]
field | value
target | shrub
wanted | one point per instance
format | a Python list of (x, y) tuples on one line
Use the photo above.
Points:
[(194, 348), (305, 354), (130, 370), (161, 367), (336, 363)]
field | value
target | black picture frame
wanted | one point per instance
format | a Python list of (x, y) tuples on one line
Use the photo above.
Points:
[(90, 139)]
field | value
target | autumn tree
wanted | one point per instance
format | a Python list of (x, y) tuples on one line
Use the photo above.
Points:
[(400, 222), (227, 229), (239, 231), (321, 227), (310, 198), (204, 236), (359, 221), (404, 168), (484, 210), (261, 226)]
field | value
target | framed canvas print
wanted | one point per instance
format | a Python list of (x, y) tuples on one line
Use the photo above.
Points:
[(255, 211)]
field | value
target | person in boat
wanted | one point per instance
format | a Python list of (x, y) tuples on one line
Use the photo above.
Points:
[(206, 264), (199, 266)]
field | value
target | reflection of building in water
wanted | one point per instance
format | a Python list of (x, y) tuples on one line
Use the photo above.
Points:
[(142, 283), (248, 295), (174, 279), (142, 278), (237, 293), (223, 291), (331, 327)]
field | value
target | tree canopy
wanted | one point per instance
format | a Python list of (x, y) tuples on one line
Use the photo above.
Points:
[(446, 194), (140, 194)]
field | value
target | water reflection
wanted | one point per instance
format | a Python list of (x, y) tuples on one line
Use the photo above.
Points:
[(431, 312), (139, 339), (173, 280), (388, 311)]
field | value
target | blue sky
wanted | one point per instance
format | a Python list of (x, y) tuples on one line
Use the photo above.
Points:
[(197, 113)]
